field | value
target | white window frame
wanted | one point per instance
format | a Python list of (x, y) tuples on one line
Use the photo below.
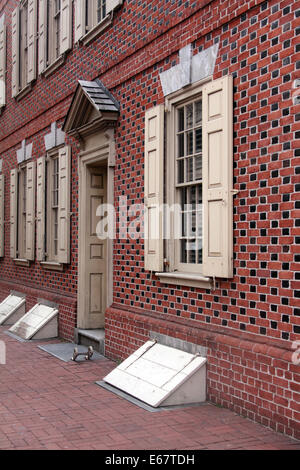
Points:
[(88, 26), (92, 14), (23, 44), (55, 34), (51, 253), (173, 102), (24, 50), (53, 28), (21, 222), (24, 213)]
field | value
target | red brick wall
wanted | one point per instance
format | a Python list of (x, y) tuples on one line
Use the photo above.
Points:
[(255, 379), (258, 45), (67, 306)]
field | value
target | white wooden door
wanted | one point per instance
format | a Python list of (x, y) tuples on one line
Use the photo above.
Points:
[(95, 250)]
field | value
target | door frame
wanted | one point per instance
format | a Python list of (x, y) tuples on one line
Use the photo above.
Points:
[(103, 153)]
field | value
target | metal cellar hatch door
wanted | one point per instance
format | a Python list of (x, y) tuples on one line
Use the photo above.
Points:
[(11, 309), (39, 323), (161, 376)]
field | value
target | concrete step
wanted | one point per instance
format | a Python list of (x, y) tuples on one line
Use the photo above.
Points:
[(93, 338)]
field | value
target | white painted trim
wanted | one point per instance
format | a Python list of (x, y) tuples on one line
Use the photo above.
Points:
[(89, 156)]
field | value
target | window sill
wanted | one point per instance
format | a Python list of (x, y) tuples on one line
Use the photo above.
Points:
[(52, 266), (96, 31), (185, 279), (54, 66), (22, 262), (22, 93)]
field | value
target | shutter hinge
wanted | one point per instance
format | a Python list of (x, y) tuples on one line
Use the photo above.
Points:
[(234, 191)]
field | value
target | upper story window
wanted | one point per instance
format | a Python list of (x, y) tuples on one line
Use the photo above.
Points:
[(53, 30), (2, 62), (24, 23), (55, 33), (95, 12), (23, 44), (92, 17)]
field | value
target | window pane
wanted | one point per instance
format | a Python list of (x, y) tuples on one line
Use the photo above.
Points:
[(198, 168), (189, 163), (181, 145), (183, 257), (183, 197), (184, 224), (181, 119), (189, 116), (192, 251), (193, 197), (198, 140), (200, 252), (198, 112), (180, 171), (189, 143)]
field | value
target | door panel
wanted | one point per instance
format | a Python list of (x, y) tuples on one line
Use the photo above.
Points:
[(95, 250)]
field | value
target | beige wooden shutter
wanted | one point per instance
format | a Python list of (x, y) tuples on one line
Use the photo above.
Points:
[(2, 61), (66, 26), (31, 38), (40, 208), (154, 185), (112, 4), (1, 216), (217, 178), (30, 210), (80, 8), (15, 52), (42, 35), (64, 205), (13, 212)]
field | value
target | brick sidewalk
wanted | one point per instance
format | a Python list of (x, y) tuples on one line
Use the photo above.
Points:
[(49, 404)]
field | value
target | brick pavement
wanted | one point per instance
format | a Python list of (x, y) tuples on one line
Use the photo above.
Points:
[(49, 404)]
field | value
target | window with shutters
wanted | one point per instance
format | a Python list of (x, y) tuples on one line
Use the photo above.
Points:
[(24, 20), (92, 17), (95, 13), (52, 207), (55, 34), (198, 165), (53, 30), (22, 212), (23, 44)]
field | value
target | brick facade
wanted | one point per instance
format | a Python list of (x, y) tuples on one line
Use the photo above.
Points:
[(248, 323)]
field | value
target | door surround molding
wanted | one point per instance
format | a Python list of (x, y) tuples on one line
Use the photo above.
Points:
[(96, 149)]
